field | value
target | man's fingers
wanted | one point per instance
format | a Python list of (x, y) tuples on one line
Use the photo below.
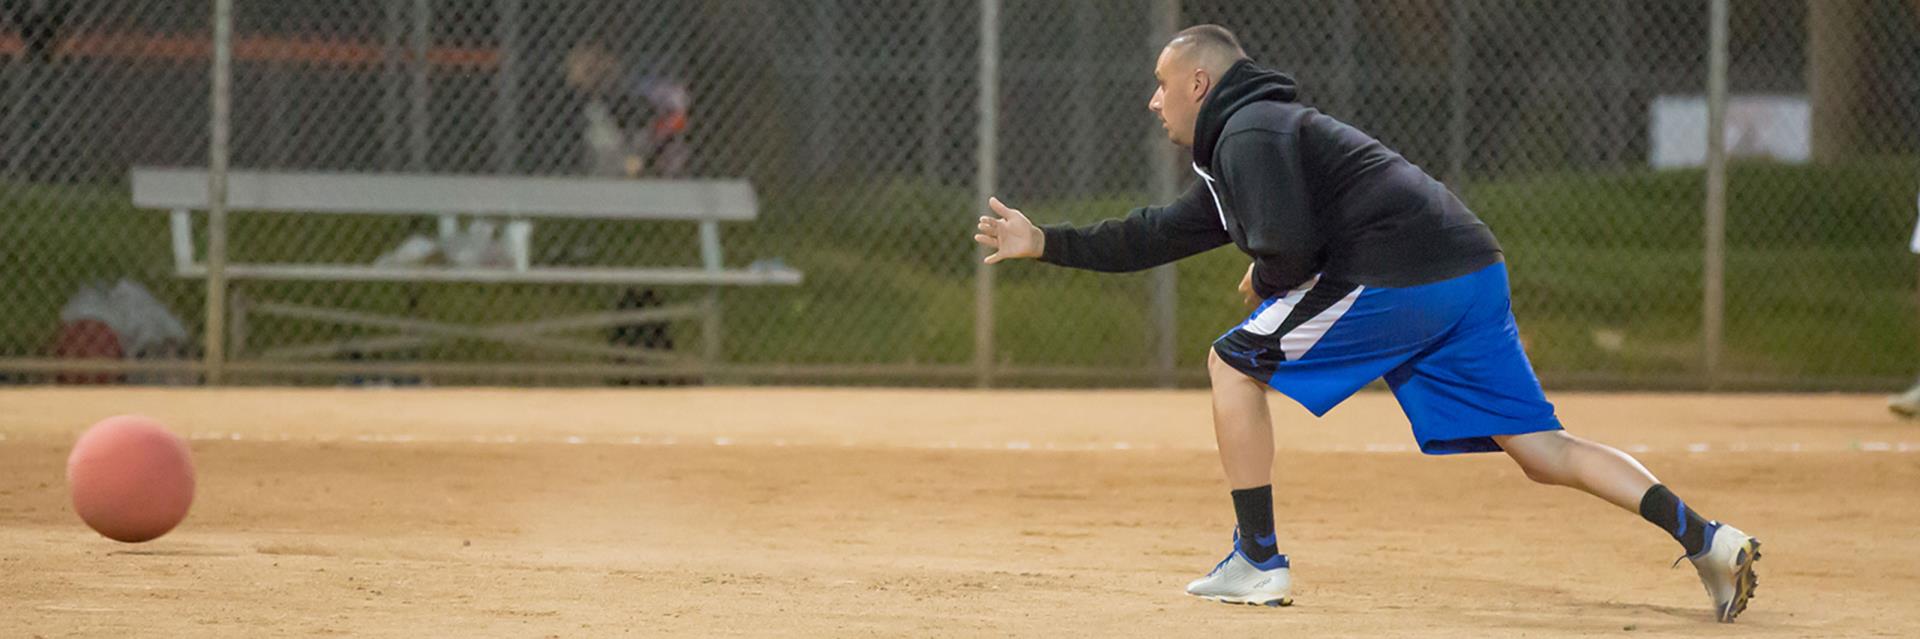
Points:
[(993, 203), (993, 232), (1004, 212)]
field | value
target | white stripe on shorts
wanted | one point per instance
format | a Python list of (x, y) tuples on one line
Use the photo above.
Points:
[(1270, 318), (1301, 339)]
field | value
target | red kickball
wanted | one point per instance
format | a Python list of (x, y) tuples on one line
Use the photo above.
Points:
[(131, 479)]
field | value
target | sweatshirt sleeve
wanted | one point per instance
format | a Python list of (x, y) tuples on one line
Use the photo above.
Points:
[(1145, 238), (1267, 184)]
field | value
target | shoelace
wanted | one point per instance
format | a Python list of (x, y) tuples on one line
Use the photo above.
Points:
[(1222, 564)]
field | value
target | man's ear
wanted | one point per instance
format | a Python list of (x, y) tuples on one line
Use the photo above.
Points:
[(1202, 83)]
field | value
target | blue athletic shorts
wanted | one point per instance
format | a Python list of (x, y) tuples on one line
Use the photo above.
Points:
[(1449, 350)]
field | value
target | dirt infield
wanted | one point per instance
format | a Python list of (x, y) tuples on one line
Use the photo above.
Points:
[(927, 513)]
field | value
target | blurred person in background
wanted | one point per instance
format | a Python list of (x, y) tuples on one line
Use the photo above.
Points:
[(1907, 404), (634, 124)]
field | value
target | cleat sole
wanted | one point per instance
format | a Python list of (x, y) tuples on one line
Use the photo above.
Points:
[(1745, 582)]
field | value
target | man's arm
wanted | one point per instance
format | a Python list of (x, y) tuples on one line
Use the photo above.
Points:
[(1145, 238)]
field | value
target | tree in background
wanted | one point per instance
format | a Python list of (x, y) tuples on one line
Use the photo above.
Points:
[(1841, 72)]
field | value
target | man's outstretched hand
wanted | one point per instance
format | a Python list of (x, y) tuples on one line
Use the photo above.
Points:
[(1010, 234)]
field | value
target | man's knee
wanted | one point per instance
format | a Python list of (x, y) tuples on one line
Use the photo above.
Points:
[(1223, 376), (1542, 456), (1539, 472), (1219, 369)]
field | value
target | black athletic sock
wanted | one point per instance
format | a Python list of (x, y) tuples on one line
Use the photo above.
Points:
[(1665, 510), (1254, 508)]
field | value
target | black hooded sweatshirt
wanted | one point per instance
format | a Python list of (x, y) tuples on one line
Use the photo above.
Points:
[(1304, 194)]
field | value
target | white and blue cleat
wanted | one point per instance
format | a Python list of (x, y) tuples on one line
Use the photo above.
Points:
[(1239, 580), (1906, 404)]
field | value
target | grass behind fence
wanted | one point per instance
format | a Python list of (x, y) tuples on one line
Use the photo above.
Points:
[(1606, 274)]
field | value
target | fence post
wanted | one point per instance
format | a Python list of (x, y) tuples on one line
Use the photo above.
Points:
[(1713, 304), (392, 89), (1620, 125), (986, 156), (1459, 75), (506, 114), (932, 162), (418, 135), (1082, 71), (825, 67), (1166, 279), (221, 100)]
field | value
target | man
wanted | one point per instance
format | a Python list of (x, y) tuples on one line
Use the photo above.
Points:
[(1368, 268), (1907, 404)]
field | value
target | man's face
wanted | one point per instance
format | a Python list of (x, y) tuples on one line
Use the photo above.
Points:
[(1181, 88)]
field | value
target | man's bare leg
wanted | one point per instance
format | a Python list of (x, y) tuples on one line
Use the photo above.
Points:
[(1255, 572), (1559, 459), (1242, 425), (1723, 555)]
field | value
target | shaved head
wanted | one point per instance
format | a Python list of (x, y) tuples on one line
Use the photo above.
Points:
[(1208, 46), (1192, 62)]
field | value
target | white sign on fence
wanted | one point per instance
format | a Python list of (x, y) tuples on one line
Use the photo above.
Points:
[(1772, 127)]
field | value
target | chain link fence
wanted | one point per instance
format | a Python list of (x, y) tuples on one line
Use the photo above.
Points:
[(870, 130)]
